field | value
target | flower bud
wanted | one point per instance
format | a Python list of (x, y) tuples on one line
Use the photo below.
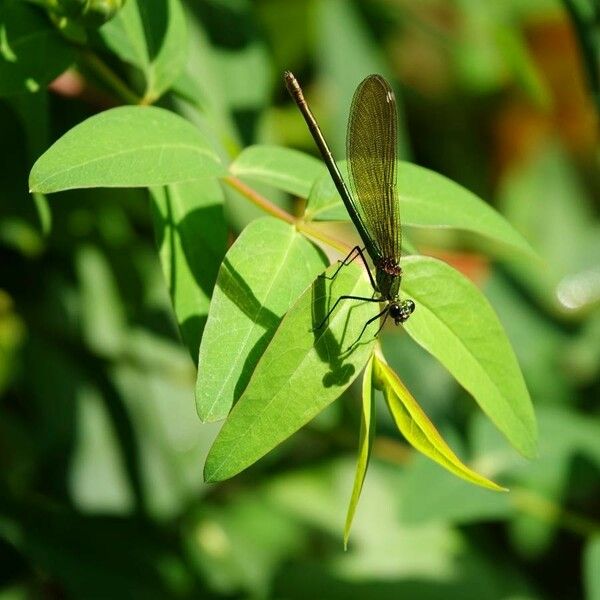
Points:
[(88, 13)]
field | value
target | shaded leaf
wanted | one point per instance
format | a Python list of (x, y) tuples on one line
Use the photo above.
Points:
[(455, 323), (191, 236), (301, 372), (103, 320), (32, 52), (289, 170), (86, 555), (263, 274), (254, 541), (567, 237), (543, 485), (416, 427), (98, 479), (150, 35), (367, 432), (133, 147)]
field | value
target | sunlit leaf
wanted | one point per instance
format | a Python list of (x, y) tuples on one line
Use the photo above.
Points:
[(367, 431), (455, 323), (289, 170), (301, 372), (264, 272), (416, 427), (132, 147), (427, 199)]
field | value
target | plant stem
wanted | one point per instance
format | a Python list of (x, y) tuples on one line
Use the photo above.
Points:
[(541, 508), (274, 210), (258, 199), (109, 77), (307, 229)]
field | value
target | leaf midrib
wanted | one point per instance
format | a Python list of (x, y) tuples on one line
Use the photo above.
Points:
[(161, 147), (273, 175), (474, 359), (254, 322)]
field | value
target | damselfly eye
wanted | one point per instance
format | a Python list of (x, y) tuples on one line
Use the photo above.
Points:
[(395, 312)]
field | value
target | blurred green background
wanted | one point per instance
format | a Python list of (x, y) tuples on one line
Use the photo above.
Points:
[(101, 452)]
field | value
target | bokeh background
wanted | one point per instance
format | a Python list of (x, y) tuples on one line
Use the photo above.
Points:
[(101, 452)]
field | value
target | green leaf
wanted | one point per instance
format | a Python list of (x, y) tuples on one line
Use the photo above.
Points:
[(564, 434), (568, 236), (103, 320), (150, 35), (416, 427), (454, 322), (98, 477), (132, 147), (288, 170), (367, 433), (540, 486), (32, 52), (66, 544), (427, 199), (301, 372), (263, 274), (253, 542), (591, 561), (171, 440), (191, 236)]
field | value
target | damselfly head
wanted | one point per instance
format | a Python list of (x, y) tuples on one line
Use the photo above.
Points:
[(400, 311)]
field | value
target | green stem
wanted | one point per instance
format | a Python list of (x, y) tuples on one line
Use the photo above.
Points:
[(109, 77), (322, 236), (258, 200), (541, 508), (274, 210)]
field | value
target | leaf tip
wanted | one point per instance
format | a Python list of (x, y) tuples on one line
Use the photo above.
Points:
[(210, 472), (528, 446), (530, 451), (32, 184)]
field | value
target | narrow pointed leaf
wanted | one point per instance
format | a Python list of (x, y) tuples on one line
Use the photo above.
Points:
[(263, 274), (288, 170), (301, 372), (416, 427), (454, 322), (133, 146), (428, 199), (367, 433)]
